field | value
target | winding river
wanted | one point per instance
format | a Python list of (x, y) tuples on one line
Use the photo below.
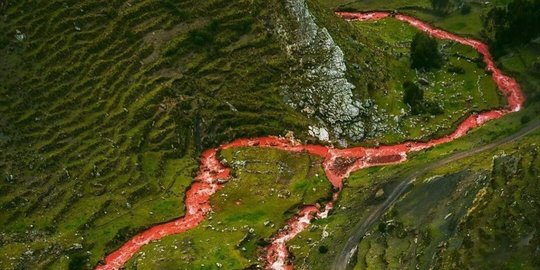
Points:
[(338, 163)]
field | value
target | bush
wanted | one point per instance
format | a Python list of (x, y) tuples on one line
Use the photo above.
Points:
[(425, 52), (382, 227), (78, 261), (413, 96), (525, 119), (323, 249), (456, 69), (440, 6), (465, 8), (433, 108)]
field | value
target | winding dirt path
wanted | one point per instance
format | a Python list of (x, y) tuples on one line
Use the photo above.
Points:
[(338, 163)]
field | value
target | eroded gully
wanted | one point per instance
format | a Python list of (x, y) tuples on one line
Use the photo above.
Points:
[(338, 163)]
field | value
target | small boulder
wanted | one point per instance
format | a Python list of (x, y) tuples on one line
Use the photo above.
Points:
[(379, 194)]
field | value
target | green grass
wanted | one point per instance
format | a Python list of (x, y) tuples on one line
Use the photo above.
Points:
[(492, 219), (106, 105), (269, 187), (469, 24), (458, 94), (358, 196), (377, 55)]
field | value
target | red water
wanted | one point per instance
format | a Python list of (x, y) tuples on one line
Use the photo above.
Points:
[(338, 163)]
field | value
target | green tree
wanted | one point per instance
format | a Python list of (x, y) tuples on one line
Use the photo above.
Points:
[(441, 6), (413, 96), (465, 8), (425, 52)]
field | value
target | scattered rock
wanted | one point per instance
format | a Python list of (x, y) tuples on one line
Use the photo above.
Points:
[(379, 194), (20, 36)]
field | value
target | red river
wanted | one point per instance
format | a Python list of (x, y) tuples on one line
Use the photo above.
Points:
[(338, 163)]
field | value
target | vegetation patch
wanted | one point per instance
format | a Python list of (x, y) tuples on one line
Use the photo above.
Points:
[(417, 104), (247, 212)]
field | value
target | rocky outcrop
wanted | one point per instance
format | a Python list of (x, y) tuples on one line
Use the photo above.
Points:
[(320, 89)]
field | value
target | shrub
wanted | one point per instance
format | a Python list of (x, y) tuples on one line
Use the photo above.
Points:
[(425, 52), (525, 119), (440, 6), (323, 249), (465, 8), (413, 96), (456, 69)]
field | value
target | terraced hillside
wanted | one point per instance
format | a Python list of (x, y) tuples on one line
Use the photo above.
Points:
[(105, 106)]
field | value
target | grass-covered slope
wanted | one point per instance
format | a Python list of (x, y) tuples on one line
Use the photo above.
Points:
[(411, 231), (378, 62), (268, 188), (460, 87), (104, 106), (479, 208)]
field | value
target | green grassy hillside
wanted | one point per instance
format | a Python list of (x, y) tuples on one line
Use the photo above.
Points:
[(270, 186), (483, 207), (105, 107), (421, 212)]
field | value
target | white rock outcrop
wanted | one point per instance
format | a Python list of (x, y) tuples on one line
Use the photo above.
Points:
[(321, 89)]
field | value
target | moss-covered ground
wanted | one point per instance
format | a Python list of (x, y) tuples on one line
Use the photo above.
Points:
[(378, 61), (485, 206)]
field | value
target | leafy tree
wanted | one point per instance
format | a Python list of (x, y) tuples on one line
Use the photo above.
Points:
[(413, 96), (78, 261), (425, 52), (441, 6), (514, 24), (323, 249), (465, 8)]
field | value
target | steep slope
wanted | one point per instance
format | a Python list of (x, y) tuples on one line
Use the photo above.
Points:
[(482, 207), (105, 106)]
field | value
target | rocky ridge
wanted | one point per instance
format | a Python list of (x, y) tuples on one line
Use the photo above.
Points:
[(322, 91)]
